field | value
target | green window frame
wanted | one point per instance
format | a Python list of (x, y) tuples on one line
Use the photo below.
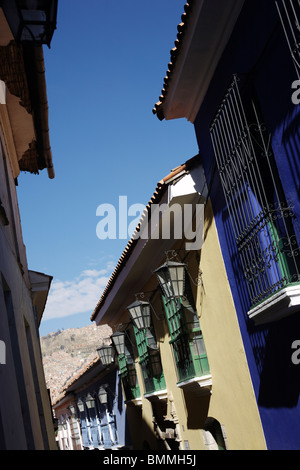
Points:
[(150, 362), (186, 338), (129, 378)]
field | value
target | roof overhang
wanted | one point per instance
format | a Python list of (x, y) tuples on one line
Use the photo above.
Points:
[(23, 104), (203, 36), (149, 249), (93, 372), (32, 22), (40, 286)]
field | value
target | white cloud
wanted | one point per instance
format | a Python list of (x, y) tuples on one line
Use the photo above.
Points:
[(79, 295), (93, 273)]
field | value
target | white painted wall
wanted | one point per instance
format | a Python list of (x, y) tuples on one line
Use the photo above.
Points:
[(22, 382)]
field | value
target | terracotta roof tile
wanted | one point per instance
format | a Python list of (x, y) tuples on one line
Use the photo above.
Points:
[(174, 53), (73, 379)]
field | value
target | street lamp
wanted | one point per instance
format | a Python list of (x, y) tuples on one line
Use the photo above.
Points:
[(118, 339), (72, 410), (171, 277), (80, 405), (106, 354), (90, 401), (31, 21), (102, 395), (140, 314)]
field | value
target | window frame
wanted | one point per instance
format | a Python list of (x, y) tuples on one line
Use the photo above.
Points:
[(261, 220), (152, 382), (127, 371), (289, 15), (185, 330)]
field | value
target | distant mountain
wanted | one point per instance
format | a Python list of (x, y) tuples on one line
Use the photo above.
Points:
[(65, 352)]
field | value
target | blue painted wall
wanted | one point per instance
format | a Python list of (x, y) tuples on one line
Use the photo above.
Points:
[(258, 49), (113, 413)]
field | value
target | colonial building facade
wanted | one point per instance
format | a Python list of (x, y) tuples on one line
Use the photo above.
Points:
[(91, 412), (176, 339), (234, 74), (25, 413)]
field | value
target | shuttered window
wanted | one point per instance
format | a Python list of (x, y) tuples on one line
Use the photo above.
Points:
[(150, 362), (186, 336)]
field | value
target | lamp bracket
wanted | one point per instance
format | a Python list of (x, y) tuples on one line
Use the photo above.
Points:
[(139, 295), (121, 327), (142, 296), (173, 254)]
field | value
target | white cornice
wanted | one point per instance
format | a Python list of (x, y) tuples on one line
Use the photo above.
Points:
[(197, 385), (279, 305)]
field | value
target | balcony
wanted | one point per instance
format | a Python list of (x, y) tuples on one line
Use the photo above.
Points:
[(284, 302), (197, 385), (157, 395)]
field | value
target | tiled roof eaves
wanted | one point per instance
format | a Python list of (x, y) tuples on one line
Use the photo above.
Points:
[(160, 188), (82, 371), (128, 249), (174, 53)]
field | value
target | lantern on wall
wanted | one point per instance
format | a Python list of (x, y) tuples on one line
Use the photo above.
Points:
[(90, 401), (72, 410), (106, 354), (31, 21), (121, 342), (171, 277), (118, 339), (140, 314), (102, 395), (80, 405)]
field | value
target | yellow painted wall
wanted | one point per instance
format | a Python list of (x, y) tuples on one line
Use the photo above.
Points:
[(232, 401)]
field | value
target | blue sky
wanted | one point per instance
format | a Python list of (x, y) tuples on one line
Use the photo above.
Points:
[(104, 73)]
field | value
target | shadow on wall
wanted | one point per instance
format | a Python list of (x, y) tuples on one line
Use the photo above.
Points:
[(197, 409), (142, 436), (291, 144), (271, 344), (280, 377)]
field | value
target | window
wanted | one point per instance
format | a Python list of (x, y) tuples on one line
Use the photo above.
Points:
[(97, 422), (107, 427), (289, 14), (149, 360), (261, 219), (128, 376), (92, 425), (186, 337), (75, 433)]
